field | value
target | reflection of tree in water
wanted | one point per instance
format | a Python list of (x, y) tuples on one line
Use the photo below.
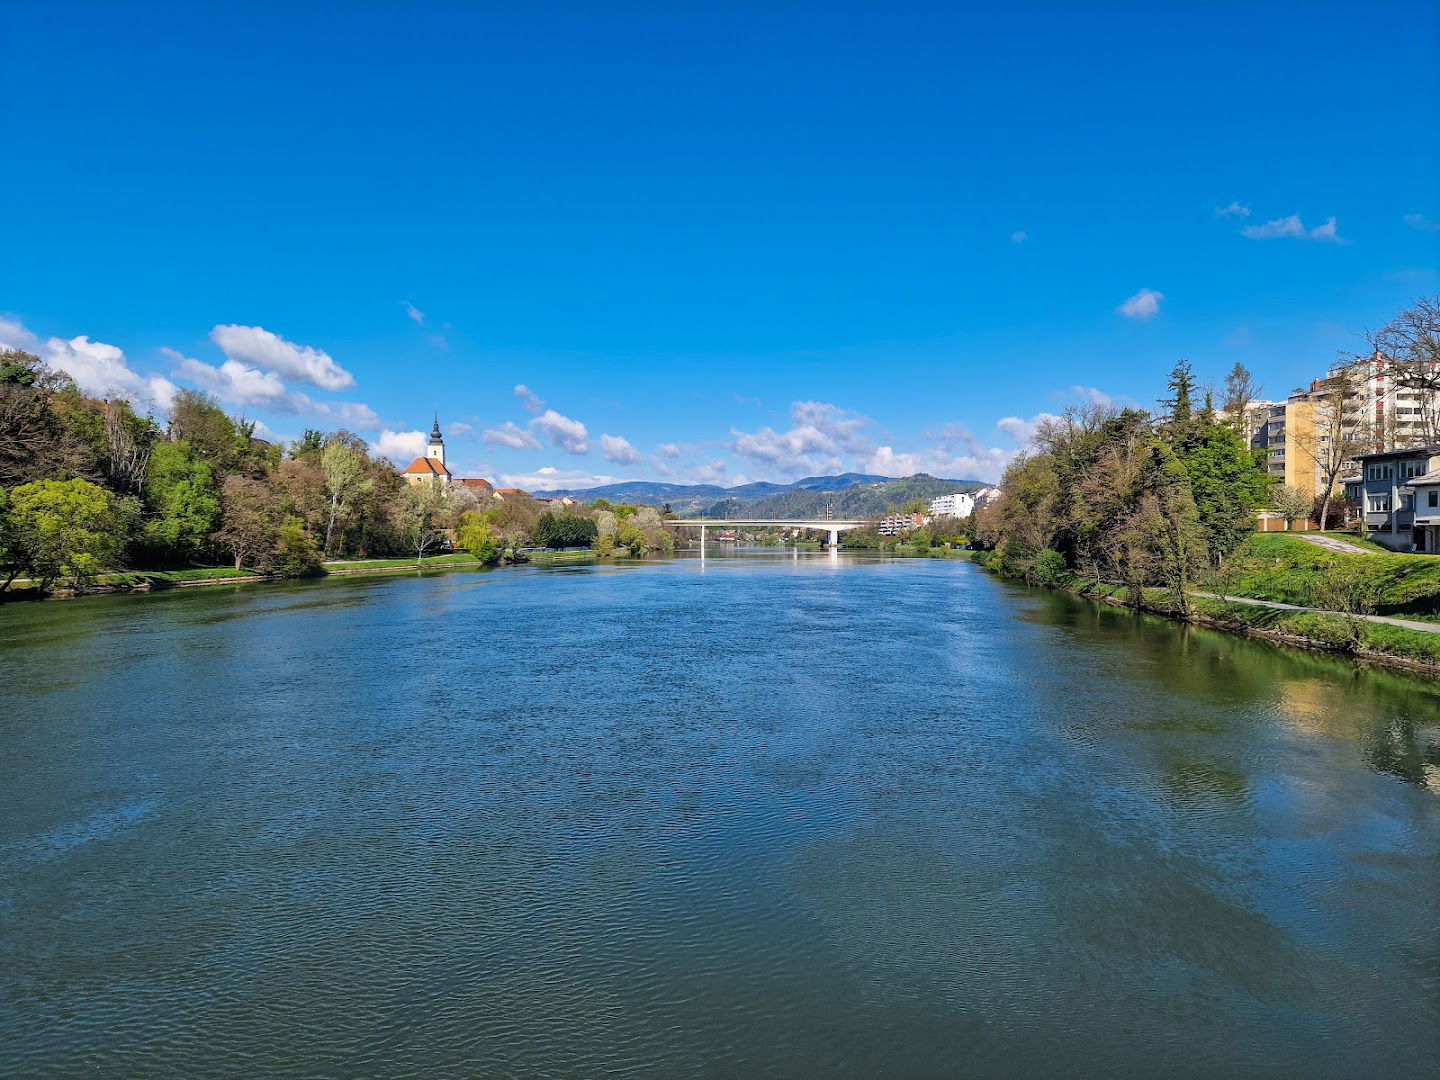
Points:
[(1406, 749)]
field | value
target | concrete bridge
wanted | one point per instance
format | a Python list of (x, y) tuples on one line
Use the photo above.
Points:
[(834, 528)]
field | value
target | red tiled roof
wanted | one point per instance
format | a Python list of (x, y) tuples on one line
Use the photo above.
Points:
[(475, 482), (427, 465), (509, 491)]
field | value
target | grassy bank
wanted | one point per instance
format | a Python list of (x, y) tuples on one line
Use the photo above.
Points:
[(1274, 566), (1380, 643)]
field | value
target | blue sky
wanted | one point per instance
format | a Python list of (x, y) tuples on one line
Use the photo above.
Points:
[(714, 242)]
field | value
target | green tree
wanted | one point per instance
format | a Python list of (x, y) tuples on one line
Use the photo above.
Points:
[(554, 530), (1227, 485), (474, 535), (65, 531), (345, 478), (183, 501), (297, 554), (420, 517), (1179, 405)]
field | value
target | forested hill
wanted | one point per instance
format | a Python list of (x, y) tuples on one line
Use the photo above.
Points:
[(856, 501)]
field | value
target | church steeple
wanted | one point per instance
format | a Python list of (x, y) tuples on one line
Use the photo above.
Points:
[(436, 447)]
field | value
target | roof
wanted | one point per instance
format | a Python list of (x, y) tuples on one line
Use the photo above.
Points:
[(1432, 450), (426, 466), (474, 481), (508, 491), (1428, 479)]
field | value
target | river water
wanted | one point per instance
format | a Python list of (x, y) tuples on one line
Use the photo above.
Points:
[(761, 815)]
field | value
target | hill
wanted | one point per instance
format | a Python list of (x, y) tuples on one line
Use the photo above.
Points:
[(851, 495)]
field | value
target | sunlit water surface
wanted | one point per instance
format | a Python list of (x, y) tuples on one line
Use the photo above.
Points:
[(766, 815)]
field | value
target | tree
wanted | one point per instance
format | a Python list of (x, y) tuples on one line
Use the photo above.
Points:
[(183, 502), (1292, 502), (296, 555), (1179, 404), (474, 535), (1409, 348), (343, 467), (420, 517), (554, 530), (1333, 437), (1239, 392), (250, 521), (197, 419), (64, 531), (11, 561), (129, 441), (1226, 483)]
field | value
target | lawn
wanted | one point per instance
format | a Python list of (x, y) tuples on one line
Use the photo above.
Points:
[(1274, 566)]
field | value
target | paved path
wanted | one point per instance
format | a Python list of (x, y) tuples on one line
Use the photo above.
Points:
[(1330, 543), (1409, 624)]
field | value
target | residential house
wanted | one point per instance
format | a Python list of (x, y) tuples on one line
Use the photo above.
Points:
[(1399, 496)]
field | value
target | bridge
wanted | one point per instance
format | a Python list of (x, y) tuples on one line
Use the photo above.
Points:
[(834, 528)]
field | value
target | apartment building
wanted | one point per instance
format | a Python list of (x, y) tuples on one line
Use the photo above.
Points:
[(894, 524), (960, 504)]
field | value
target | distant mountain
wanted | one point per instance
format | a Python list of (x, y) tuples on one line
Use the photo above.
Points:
[(850, 495)]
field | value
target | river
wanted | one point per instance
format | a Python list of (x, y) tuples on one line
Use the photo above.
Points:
[(762, 815)]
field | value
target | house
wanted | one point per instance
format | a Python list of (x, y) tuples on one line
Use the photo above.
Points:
[(1399, 495), (510, 493)]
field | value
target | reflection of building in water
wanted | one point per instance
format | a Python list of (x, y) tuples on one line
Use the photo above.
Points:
[(1388, 735)]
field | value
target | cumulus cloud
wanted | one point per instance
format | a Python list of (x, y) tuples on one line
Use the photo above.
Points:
[(512, 435), (98, 369), (1234, 209), (349, 414), (955, 454), (239, 384), (1421, 222), (255, 346), (670, 450), (617, 449), (549, 478), (1293, 227), (400, 446), (1091, 394), (1142, 305), (819, 435), (529, 399), (459, 428), (569, 435), (416, 315), (1019, 236), (1021, 430)]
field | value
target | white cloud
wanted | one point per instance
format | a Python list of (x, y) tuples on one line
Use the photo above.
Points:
[(549, 478), (349, 414), (1019, 236), (1292, 226), (98, 369), (459, 428), (1091, 394), (1421, 222), (670, 450), (239, 384), (1142, 305), (569, 435), (512, 435), (257, 347), (529, 398), (1023, 431), (415, 313), (616, 449), (1235, 209), (400, 446)]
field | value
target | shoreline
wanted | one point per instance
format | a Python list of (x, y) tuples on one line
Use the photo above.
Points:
[(1229, 621)]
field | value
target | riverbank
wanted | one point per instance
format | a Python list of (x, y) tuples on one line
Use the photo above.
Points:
[(1349, 634), (198, 576)]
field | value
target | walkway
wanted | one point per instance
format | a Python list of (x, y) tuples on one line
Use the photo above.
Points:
[(1331, 543), (1408, 624)]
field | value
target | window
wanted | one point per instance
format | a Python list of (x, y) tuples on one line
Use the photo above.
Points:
[(1379, 504), (1432, 498), (1407, 502)]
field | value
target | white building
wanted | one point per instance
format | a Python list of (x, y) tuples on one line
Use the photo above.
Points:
[(894, 524), (961, 504)]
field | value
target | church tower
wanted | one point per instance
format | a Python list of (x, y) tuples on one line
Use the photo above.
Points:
[(436, 448)]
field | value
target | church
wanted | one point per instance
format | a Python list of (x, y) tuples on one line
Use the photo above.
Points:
[(432, 466)]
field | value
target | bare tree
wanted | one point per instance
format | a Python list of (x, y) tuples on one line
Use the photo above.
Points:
[(1333, 438), (1241, 390), (421, 516), (1408, 347), (127, 451)]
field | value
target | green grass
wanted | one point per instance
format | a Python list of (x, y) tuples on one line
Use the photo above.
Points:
[(1274, 566), (1331, 630), (459, 558)]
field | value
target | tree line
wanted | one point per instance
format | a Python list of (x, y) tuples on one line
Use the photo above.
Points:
[(89, 485), (1128, 497)]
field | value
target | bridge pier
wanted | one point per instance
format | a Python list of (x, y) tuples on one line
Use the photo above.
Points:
[(834, 539)]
